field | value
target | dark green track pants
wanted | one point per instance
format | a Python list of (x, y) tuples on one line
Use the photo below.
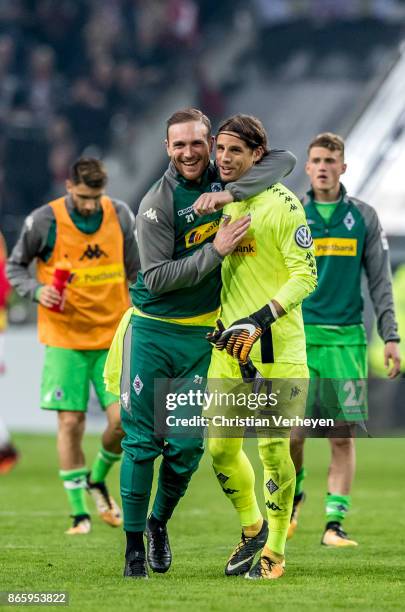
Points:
[(157, 350)]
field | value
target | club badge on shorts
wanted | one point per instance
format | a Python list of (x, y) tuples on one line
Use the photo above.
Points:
[(137, 384)]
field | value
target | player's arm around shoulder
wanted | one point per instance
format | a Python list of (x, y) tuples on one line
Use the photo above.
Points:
[(271, 169), (156, 231), (293, 239), (30, 245)]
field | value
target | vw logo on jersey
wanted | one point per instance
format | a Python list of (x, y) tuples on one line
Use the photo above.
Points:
[(216, 187), (303, 237), (349, 221)]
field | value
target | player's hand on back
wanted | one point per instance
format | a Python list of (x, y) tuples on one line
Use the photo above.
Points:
[(209, 203), (392, 354), (230, 234), (48, 296)]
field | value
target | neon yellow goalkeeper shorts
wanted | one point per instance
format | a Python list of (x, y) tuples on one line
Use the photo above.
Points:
[(235, 399)]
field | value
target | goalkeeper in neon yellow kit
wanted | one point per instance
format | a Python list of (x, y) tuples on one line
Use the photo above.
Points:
[(264, 282)]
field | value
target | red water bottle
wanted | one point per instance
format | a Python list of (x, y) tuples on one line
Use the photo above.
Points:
[(61, 276)]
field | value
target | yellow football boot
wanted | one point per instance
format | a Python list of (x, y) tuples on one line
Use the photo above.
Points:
[(107, 508), (81, 525), (267, 568), (334, 536)]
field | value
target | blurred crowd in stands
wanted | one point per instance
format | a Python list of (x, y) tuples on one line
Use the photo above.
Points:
[(352, 30), (75, 72), (72, 72)]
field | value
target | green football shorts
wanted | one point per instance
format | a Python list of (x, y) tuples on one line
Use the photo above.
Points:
[(161, 359), (338, 387), (66, 377)]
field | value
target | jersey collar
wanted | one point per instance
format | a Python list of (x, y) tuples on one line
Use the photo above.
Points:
[(338, 214)]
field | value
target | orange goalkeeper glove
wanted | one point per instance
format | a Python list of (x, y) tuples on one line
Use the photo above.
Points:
[(239, 337)]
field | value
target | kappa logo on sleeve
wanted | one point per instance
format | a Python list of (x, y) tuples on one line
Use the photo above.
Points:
[(303, 237), (151, 214)]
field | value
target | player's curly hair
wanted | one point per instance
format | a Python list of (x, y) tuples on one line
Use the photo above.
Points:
[(249, 129), (90, 171), (328, 140)]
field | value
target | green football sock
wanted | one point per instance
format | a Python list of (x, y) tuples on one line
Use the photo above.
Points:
[(103, 464), (299, 482), (74, 482), (337, 506)]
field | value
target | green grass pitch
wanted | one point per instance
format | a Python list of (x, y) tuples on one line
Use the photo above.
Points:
[(35, 555)]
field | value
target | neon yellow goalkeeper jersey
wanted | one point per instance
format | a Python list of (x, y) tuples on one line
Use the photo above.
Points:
[(275, 260)]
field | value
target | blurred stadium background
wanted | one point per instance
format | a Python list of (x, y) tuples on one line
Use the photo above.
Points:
[(100, 77)]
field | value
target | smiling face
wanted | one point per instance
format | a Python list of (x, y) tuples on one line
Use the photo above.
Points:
[(234, 157), (324, 168), (189, 147)]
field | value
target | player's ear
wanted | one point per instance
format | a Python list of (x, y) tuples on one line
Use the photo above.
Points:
[(167, 147), (211, 143), (344, 168), (68, 185), (257, 154), (307, 167)]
